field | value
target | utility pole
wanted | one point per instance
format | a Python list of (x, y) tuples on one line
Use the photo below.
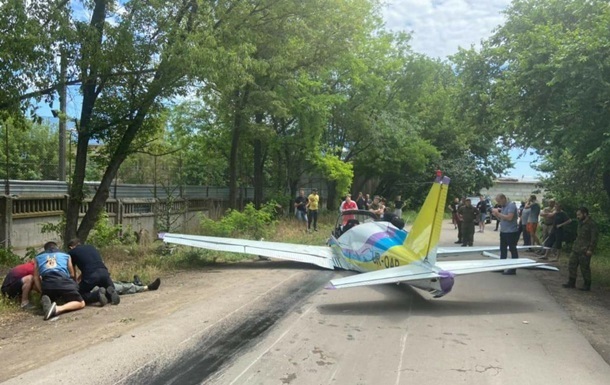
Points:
[(63, 68), (7, 182)]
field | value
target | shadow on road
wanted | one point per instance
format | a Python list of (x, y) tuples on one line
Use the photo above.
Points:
[(407, 301)]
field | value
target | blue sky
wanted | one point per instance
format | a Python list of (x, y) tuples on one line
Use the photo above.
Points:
[(439, 27)]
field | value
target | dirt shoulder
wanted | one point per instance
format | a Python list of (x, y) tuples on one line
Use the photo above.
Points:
[(77, 331), (590, 311)]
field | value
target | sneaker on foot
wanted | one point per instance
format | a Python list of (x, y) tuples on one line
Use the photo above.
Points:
[(154, 285), (51, 312), (102, 297), (45, 301), (27, 306), (112, 295)]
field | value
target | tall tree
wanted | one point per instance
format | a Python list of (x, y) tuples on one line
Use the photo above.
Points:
[(31, 151), (545, 81), (285, 44)]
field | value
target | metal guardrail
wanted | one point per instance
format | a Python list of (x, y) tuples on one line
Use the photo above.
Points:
[(119, 191)]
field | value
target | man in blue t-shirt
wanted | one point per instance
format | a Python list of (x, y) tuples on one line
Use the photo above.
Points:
[(54, 278), (509, 229)]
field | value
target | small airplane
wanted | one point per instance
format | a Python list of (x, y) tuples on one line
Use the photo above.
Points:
[(379, 250)]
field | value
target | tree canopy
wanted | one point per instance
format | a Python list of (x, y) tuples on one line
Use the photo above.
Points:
[(270, 93)]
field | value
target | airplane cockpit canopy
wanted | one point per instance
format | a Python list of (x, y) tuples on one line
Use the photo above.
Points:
[(350, 218)]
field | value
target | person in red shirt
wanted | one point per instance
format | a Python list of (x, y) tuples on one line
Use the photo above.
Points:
[(19, 282), (348, 204)]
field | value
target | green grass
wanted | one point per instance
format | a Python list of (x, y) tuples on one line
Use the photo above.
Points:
[(8, 306)]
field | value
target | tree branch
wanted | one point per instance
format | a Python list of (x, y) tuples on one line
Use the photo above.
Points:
[(47, 91)]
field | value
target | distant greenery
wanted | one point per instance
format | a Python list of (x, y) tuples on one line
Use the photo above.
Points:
[(249, 223)]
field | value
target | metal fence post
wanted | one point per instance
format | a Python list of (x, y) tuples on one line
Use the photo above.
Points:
[(6, 220)]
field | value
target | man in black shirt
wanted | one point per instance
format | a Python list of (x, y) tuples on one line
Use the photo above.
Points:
[(482, 207), (93, 273), (361, 202), (300, 204)]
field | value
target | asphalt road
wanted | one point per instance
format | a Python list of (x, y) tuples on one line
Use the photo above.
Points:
[(286, 329)]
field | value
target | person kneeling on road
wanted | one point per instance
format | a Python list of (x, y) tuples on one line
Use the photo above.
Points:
[(19, 282), (54, 278), (93, 273)]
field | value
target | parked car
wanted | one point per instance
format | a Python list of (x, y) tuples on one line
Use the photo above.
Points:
[(475, 201)]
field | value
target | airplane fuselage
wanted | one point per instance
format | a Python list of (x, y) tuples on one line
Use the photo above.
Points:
[(379, 245)]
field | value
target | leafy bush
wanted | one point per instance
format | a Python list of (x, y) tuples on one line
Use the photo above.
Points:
[(57, 229), (8, 258), (105, 234), (250, 223)]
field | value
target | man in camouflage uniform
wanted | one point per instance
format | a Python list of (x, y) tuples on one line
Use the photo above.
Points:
[(582, 250), (467, 214)]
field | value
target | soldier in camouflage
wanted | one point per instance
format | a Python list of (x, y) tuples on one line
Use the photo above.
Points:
[(582, 250)]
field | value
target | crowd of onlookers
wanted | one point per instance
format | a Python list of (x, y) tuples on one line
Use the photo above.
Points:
[(543, 228), (306, 207)]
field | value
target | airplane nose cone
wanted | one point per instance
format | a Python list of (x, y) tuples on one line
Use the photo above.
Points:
[(447, 281)]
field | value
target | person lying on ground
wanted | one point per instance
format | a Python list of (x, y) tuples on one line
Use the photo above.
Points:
[(123, 287)]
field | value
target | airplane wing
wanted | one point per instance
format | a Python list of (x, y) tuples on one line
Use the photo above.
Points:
[(543, 266), (317, 255), (392, 275), (484, 265), (446, 251), (410, 273)]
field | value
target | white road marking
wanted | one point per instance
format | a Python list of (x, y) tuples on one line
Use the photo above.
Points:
[(403, 345)]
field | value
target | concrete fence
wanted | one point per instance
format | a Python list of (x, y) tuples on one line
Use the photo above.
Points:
[(22, 217)]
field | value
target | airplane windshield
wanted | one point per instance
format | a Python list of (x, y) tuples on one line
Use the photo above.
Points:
[(350, 218)]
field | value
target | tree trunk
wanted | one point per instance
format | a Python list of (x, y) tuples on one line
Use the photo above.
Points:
[(259, 164), (89, 86), (241, 99), (606, 181), (258, 173), (331, 203)]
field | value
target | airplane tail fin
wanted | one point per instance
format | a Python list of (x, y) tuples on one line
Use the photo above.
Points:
[(423, 238)]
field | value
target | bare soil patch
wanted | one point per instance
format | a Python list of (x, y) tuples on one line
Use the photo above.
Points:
[(589, 310)]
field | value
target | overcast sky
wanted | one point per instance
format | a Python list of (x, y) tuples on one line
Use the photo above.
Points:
[(439, 27)]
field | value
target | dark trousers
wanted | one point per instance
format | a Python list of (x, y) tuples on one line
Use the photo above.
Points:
[(508, 241), (580, 259), (527, 238), (100, 278), (312, 215), (459, 225), (467, 233)]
